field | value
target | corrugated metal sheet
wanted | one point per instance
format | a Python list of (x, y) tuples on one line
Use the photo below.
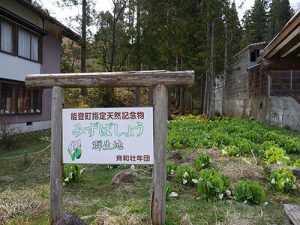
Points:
[(15, 68)]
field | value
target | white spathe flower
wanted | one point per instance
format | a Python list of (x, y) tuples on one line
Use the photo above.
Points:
[(273, 181), (202, 164), (245, 202), (185, 175), (173, 194), (266, 203), (221, 196), (184, 181), (283, 183), (195, 181), (172, 172), (67, 179), (228, 193), (132, 167), (81, 171)]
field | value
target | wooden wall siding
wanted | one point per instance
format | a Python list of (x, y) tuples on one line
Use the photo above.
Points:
[(258, 83), (15, 68), (50, 55), (22, 11), (296, 82), (290, 79)]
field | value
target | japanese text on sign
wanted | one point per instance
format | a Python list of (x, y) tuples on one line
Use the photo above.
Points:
[(108, 135)]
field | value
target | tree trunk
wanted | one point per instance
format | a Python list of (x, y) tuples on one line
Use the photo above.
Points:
[(182, 103), (225, 67), (83, 42), (138, 50), (212, 72)]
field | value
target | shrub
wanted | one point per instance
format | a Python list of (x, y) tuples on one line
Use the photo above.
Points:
[(202, 161), (168, 190), (283, 179), (276, 155), (170, 168), (267, 144), (72, 173), (249, 191), (211, 183), (230, 150), (7, 136), (297, 163), (185, 174), (244, 147), (292, 145)]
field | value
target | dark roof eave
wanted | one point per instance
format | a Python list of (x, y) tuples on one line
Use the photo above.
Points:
[(8, 14), (66, 31)]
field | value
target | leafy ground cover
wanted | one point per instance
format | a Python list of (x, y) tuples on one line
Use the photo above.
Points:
[(93, 198)]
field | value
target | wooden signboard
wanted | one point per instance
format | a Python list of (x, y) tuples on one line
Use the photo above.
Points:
[(159, 80)]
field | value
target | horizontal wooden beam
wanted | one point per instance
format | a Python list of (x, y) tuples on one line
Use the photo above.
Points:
[(283, 34), (280, 64), (112, 79)]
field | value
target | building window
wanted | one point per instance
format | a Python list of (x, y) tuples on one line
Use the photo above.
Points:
[(16, 99), (19, 41), (6, 37), (28, 45)]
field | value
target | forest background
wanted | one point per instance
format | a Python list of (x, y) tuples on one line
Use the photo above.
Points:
[(199, 35)]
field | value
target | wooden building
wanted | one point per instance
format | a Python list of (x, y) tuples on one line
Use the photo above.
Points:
[(30, 44), (268, 88)]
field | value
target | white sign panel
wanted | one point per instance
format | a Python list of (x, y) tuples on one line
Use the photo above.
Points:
[(108, 136)]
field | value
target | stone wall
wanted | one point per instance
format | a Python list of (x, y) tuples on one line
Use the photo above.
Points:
[(285, 111)]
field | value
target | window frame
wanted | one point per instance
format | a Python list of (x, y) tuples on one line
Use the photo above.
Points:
[(16, 86), (31, 34), (15, 36)]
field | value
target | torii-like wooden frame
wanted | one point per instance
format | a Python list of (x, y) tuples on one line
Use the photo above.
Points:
[(160, 80)]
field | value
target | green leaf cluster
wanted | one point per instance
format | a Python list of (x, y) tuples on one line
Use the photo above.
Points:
[(277, 155), (170, 168), (234, 136), (249, 191), (72, 173), (297, 163), (211, 183), (283, 179), (185, 174), (291, 145), (202, 161)]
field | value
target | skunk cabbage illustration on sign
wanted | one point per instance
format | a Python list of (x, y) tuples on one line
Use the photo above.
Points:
[(108, 135), (74, 149)]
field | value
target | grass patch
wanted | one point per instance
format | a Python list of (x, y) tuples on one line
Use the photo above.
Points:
[(30, 142), (26, 200)]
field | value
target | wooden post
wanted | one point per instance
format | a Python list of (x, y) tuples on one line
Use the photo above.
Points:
[(158, 210), (56, 154)]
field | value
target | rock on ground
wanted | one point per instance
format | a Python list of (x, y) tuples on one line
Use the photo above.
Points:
[(6, 179), (69, 219), (174, 155), (123, 177)]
